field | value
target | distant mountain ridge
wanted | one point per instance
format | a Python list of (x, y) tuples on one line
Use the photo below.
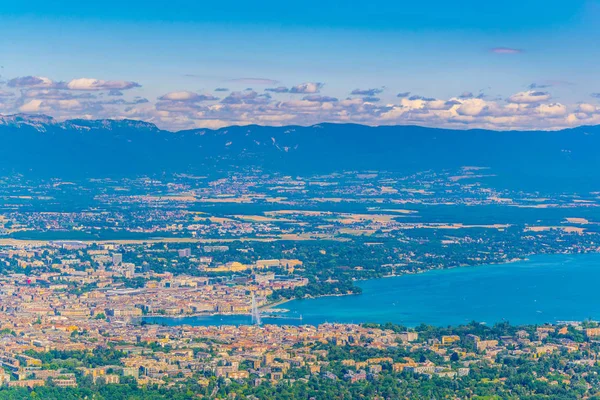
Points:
[(41, 146), (42, 122)]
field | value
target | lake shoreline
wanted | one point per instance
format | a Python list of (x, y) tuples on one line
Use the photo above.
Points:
[(451, 296)]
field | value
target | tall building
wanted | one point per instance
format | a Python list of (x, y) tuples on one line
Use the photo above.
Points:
[(117, 258)]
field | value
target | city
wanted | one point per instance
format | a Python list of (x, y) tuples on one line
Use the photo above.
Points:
[(96, 313), (299, 200)]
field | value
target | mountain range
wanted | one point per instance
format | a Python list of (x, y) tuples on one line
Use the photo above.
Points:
[(39, 146)]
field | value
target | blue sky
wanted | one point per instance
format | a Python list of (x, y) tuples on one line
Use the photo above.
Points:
[(511, 64)]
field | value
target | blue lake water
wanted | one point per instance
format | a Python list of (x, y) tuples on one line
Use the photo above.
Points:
[(546, 288)]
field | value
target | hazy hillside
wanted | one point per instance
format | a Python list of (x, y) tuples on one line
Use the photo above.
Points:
[(39, 146)]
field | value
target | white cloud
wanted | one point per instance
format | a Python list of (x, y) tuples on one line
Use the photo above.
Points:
[(530, 96), (68, 104), (186, 96), (394, 113), (413, 104), (98, 84), (554, 110), (506, 50), (472, 107), (307, 88), (587, 108), (84, 98), (31, 81), (31, 106)]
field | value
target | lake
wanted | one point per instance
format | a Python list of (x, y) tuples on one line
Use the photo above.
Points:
[(546, 288)]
